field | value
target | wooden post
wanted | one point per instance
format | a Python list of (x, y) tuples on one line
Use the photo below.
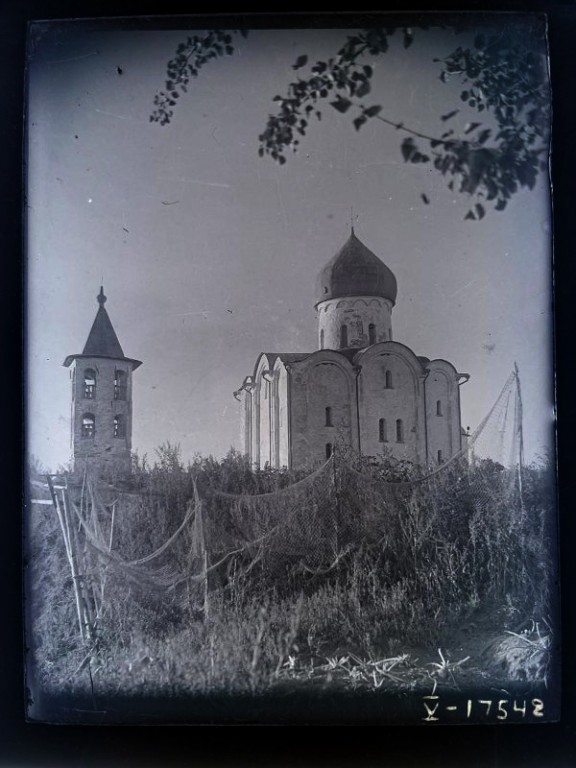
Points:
[(202, 549), (85, 609), (69, 555), (520, 433)]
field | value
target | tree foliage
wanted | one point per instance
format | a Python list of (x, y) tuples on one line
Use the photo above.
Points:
[(504, 84)]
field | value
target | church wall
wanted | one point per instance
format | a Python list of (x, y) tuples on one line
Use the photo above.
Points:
[(283, 417), (356, 313), (265, 406), (442, 412), (398, 397), (316, 385), (103, 449)]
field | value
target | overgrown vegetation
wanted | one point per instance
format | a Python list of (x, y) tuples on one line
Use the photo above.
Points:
[(351, 579)]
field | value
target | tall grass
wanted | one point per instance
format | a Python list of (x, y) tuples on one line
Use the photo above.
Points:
[(407, 564)]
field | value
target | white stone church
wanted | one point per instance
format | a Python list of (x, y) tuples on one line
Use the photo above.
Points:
[(359, 388)]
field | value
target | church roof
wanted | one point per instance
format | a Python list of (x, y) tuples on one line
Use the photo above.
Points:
[(355, 271), (102, 340)]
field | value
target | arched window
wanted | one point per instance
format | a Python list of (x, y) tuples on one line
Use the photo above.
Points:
[(120, 385), (372, 334), (88, 425), (328, 414), (89, 384), (440, 457), (439, 408), (382, 436), (119, 426), (322, 339), (328, 450), (399, 431), (343, 336), (388, 379)]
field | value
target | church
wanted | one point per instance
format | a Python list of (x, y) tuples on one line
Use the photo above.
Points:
[(360, 388)]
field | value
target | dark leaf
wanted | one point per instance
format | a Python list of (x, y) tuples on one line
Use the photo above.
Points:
[(480, 211), (373, 111), (300, 62), (448, 115), (367, 70), (341, 104), (500, 205), (472, 127), (484, 136), (470, 215), (425, 198), (359, 122), (464, 95), (407, 148), (363, 89)]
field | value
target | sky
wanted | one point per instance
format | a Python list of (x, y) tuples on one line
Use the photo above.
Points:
[(208, 254)]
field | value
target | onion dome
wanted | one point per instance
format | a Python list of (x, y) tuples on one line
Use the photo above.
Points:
[(355, 271)]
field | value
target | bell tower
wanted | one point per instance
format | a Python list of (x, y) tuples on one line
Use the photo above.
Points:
[(101, 432)]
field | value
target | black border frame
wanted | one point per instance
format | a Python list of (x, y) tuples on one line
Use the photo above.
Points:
[(29, 744)]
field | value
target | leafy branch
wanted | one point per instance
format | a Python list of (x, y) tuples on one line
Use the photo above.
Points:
[(503, 75), (190, 57)]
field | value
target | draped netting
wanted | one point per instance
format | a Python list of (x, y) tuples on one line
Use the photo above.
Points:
[(310, 527)]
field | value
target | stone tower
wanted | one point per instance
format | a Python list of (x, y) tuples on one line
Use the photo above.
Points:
[(101, 376), (355, 293)]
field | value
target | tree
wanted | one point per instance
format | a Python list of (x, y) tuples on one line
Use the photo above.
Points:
[(503, 77)]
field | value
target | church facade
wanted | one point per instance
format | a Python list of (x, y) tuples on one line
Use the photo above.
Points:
[(360, 388), (101, 431)]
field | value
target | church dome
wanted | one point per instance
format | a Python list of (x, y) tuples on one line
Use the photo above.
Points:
[(355, 271)]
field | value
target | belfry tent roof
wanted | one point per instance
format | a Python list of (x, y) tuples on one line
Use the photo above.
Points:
[(102, 340)]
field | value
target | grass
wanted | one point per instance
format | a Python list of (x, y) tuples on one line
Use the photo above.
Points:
[(354, 585)]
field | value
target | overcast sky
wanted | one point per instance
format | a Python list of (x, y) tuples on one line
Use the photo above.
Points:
[(209, 254)]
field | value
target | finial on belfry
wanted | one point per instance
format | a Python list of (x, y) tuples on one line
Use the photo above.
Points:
[(101, 298)]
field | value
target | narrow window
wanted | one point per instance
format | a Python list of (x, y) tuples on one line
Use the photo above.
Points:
[(120, 385), (399, 431), (440, 457), (382, 431), (119, 426), (343, 336), (439, 408), (372, 333), (322, 339), (88, 425), (388, 380), (328, 414), (328, 450), (89, 384)]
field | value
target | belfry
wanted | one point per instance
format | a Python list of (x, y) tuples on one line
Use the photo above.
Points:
[(360, 388), (101, 433)]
